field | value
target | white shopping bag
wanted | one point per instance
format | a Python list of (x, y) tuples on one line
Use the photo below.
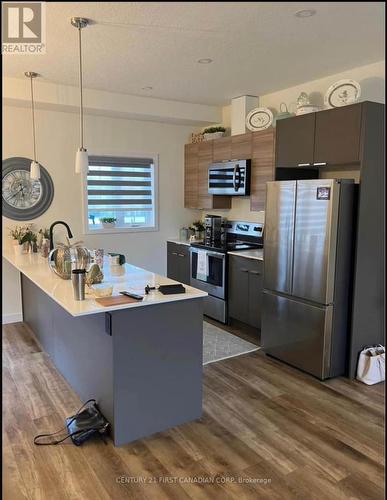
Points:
[(371, 365)]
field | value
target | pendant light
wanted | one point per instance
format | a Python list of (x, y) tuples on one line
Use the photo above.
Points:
[(35, 168), (81, 158)]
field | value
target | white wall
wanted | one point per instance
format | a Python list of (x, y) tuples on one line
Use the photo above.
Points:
[(57, 140), (372, 81), (49, 95)]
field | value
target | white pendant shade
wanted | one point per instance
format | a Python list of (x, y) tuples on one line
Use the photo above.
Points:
[(81, 158), (81, 161), (35, 171)]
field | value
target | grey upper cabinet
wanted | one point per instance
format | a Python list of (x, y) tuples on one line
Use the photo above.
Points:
[(295, 141), (178, 262), (245, 290), (337, 138), (329, 137)]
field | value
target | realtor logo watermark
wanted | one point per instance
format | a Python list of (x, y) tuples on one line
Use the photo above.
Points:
[(23, 28)]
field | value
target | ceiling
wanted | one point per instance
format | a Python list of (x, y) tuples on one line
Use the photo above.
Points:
[(256, 47)]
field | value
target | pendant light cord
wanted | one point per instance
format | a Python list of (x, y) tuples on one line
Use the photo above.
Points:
[(81, 88), (33, 117)]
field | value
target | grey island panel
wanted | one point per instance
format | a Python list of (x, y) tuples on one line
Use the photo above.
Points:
[(146, 376), (79, 347), (157, 360)]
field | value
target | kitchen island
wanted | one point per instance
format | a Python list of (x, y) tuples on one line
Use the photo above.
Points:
[(141, 361)]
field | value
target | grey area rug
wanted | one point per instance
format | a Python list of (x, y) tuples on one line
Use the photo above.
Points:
[(219, 344)]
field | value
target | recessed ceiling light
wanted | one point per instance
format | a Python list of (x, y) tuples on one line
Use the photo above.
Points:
[(305, 13), (147, 88), (205, 61)]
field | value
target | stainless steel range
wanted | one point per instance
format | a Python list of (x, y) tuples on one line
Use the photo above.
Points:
[(209, 263)]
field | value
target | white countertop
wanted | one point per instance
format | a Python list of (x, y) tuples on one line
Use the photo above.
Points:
[(134, 279), (256, 254), (176, 240)]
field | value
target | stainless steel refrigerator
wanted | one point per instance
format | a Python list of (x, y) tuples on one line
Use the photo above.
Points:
[(308, 247)]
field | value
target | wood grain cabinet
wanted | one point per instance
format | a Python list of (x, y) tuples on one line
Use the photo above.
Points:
[(257, 146), (178, 262), (205, 159), (337, 135), (241, 146), (191, 176), (295, 141), (221, 149), (197, 158), (245, 290), (262, 166)]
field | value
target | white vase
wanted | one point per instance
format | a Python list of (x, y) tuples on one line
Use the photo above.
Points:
[(213, 135), (19, 249), (108, 225)]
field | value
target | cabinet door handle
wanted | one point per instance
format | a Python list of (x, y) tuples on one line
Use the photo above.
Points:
[(181, 255), (244, 270), (304, 164), (320, 164), (255, 272), (174, 253)]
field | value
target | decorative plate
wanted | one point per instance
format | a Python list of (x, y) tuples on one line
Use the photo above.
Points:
[(23, 198), (342, 93), (259, 119)]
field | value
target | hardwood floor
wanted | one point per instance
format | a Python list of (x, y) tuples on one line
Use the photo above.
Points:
[(267, 431)]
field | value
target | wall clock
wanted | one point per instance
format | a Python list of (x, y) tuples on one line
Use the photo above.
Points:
[(23, 198), (259, 119)]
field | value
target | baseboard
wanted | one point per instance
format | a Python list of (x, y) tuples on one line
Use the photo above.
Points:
[(12, 318)]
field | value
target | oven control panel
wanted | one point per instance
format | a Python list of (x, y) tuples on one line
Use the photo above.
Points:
[(238, 228)]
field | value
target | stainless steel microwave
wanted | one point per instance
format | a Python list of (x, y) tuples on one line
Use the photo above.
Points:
[(229, 177)]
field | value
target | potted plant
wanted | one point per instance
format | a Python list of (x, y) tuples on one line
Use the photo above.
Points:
[(29, 241), (213, 132), (198, 228), (18, 236), (108, 222)]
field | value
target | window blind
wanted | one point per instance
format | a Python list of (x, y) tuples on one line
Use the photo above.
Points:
[(123, 184)]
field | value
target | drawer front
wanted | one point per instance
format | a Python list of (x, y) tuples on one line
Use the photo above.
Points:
[(246, 263)]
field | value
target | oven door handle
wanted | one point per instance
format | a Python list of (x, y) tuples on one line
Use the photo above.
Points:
[(216, 254), (209, 254)]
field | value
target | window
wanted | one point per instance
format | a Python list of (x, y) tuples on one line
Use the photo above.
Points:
[(123, 189)]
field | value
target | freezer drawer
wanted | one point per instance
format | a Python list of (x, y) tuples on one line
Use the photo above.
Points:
[(298, 333)]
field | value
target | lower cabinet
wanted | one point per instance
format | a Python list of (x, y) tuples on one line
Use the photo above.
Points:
[(178, 265), (245, 290)]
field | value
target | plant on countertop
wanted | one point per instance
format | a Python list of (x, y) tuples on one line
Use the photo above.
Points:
[(108, 220), (30, 237), (197, 226), (214, 129), (18, 233)]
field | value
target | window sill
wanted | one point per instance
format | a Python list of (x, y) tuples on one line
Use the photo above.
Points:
[(118, 230)]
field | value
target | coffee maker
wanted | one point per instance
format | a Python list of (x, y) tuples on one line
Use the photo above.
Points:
[(214, 232)]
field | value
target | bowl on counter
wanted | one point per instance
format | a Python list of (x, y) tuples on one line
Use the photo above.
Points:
[(102, 290)]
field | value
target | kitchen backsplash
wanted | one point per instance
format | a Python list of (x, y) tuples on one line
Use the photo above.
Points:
[(240, 210)]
